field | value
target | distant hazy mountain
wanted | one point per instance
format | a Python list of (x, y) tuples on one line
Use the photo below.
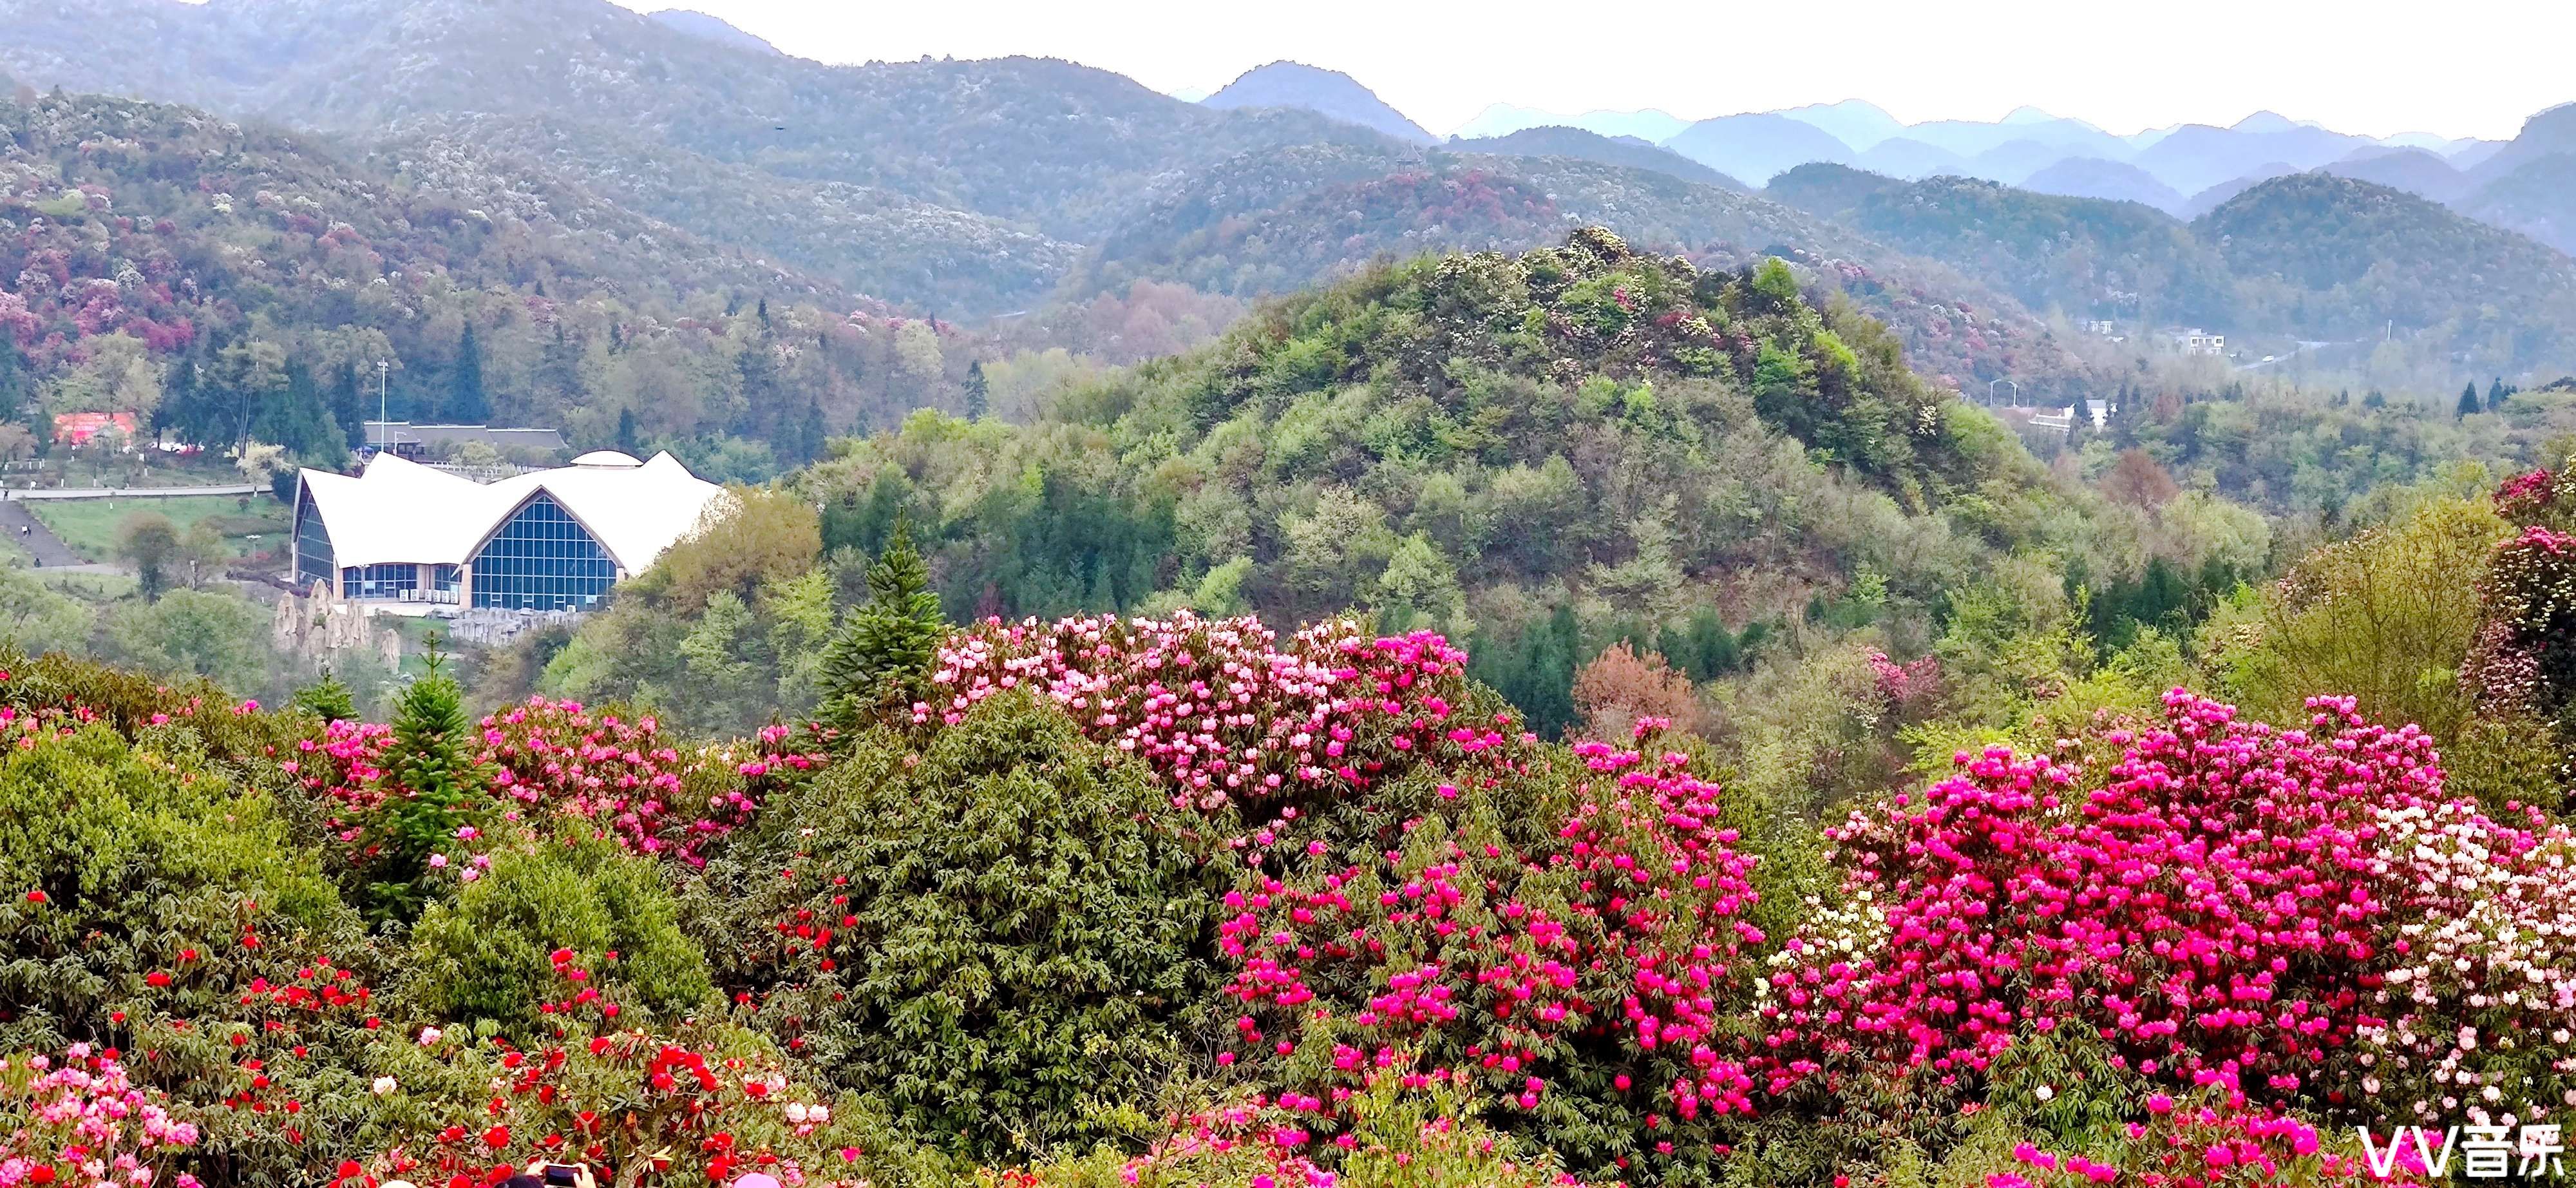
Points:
[(2546, 134), (2209, 199), (1503, 119), (2073, 138), (1855, 122), (1755, 147), (1908, 157), (1581, 145), (2115, 181), (2538, 199), (2348, 257), (2413, 170), (2198, 156), (699, 24), (1328, 93), (2013, 161)]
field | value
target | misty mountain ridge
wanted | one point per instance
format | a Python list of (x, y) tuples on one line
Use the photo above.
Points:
[(1329, 93), (714, 29)]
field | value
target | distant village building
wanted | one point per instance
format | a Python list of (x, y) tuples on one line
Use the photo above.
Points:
[(77, 428), (548, 540), (407, 440), (2197, 341)]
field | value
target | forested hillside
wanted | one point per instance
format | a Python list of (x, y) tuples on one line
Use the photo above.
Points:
[(230, 282), (1536, 454)]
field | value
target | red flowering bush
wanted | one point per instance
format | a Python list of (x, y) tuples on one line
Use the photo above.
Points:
[(692, 1105), (2217, 1141)]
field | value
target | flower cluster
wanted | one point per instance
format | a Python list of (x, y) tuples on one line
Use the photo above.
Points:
[(549, 758), (1216, 708), (2216, 1140), (1609, 954), (2210, 906), (624, 773), (81, 1121)]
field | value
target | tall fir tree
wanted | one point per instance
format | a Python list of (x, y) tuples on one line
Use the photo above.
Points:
[(298, 419), (979, 392), (467, 402), (2496, 394), (349, 405), (431, 773), (13, 378), (2468, 399), (885, 647)]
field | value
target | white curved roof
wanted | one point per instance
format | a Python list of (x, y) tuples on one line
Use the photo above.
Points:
[(399, 511), (606, 458)]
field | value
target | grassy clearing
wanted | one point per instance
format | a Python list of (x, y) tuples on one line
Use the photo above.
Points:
[(90, 526)]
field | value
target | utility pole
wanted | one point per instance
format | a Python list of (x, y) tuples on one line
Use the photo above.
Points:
[(383, 368)]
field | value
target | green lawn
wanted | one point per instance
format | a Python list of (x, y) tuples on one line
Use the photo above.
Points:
[(90, 526)]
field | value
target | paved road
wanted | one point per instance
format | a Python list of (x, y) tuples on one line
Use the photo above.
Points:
[(17, 493), (21, 526)]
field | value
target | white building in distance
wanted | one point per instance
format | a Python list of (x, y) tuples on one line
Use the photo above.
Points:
[(546, 540)]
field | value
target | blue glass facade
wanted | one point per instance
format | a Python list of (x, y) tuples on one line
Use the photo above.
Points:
[(380, 581), (542, 559), (312, 545)]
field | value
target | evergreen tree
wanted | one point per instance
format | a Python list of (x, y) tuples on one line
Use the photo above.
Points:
[(467, 403), (626, 442), (811, 437), (757, 365), (13, 378), (2496, 393), (2468, 400), (884, 647), (327, 699), (430, 774), (349, 405), (298, 419), (979, 392)]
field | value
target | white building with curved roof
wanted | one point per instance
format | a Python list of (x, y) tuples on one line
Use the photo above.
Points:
[(555, 539)]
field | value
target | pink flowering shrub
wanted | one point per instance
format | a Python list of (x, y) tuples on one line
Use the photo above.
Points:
[(623, 772), (2304, 913), (80, 1121), (550, 759), (1220, 712), (1601, 958), (2214, 1140)]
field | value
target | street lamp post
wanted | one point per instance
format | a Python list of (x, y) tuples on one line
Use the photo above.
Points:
[(383, 368)]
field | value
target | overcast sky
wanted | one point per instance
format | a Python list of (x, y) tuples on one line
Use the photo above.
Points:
[(2461, 68)]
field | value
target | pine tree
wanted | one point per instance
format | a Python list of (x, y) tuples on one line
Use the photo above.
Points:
[(467, 403), (2468, 399), (13, 378), (349, 405), (327, 699), (430, 774), (298, 418), (885, 646), (979, 392), (2496, 393), (626, 441)]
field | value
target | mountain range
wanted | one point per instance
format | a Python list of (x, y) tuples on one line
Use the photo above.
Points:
[(963, 189)]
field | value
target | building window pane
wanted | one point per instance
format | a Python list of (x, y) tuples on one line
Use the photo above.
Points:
[(312, 544), (542, 560), (397, 580)]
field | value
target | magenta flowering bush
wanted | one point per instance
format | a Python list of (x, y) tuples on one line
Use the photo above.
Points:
[(81, 1121), (2212, 1140), (2305, 913), (1602, 959)]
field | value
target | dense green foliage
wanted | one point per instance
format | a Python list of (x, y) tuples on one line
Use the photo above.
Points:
[(1006, 936), (487, 955)]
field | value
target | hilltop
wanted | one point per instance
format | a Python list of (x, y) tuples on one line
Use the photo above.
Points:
[(1328, 93)]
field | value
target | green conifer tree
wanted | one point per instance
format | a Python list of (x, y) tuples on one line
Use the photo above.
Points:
[(885, 647), (467, 403), (430, 775), (979, 392), (2468, 400), (327, 699)]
